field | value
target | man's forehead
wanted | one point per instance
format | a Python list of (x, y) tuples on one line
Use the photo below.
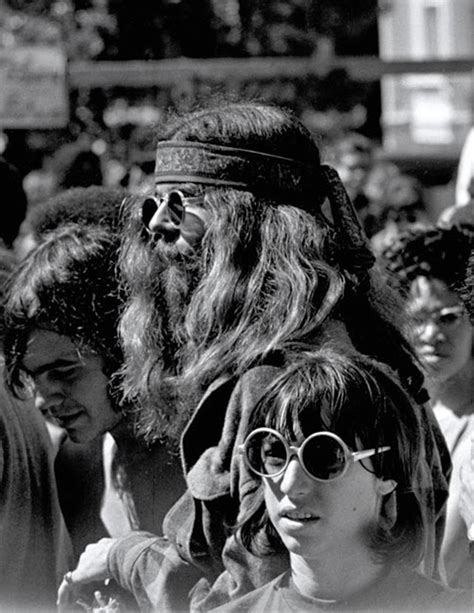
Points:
[(46, 349)]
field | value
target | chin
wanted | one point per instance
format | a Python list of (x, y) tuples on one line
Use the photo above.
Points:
[(80, 437), (443, 373)]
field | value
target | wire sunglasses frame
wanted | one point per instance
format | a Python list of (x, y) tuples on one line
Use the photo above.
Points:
[(447, 317), (292, 450), (176, 203)]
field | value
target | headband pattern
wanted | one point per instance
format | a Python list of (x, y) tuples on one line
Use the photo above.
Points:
[(281, 179)]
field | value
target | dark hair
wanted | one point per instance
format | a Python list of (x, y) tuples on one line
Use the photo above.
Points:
[(431, 251), (68, 285), (8, 264), (79, 168), (14, 201), (268, 274), (352, 143), (467, 293), (362, 401), (85, 205)]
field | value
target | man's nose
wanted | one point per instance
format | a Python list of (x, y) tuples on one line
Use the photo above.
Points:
[(295, 481), (163, 217), (429, 332), (48, 397)]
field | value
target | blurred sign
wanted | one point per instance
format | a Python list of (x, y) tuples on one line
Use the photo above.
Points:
[(33, 92)]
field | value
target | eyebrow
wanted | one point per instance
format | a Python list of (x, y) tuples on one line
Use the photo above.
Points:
[(447, 309), (59, 363)]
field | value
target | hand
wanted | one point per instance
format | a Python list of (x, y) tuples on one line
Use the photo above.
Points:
[(92, 567), (101, 604)]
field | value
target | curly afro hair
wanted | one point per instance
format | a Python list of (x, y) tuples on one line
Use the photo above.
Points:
[(433, 252), (468, 289)]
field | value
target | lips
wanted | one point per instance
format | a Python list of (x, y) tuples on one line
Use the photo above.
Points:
[(431, 355), (431, 352), (299, 516), (66, 420)]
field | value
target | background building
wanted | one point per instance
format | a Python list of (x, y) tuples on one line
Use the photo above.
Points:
[(426, 114)]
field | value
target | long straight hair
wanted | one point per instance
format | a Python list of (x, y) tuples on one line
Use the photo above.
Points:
[(360, 400)]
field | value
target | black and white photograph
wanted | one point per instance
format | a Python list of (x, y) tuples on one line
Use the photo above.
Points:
[(237, 306)]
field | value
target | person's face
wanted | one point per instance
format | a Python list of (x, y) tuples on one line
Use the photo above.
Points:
[(315, 518), (176, 216), (441, 329), (69, 385), (353, 169)]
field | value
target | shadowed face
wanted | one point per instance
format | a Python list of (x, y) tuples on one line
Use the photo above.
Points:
[(69, 385), (176, 216), (442, 332)]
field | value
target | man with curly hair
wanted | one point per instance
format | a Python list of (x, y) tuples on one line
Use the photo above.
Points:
[(62, 345)]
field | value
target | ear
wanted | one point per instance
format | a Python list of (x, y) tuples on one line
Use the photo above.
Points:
[(385, 486)]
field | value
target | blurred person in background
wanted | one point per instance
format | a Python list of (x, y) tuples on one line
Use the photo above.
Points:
[(465, 172), (14, 202), (352, 155), (233, 269), (428, 266), (399, 206), (35, 550), (385, 199), (76, 164), (62, 343), (95, 205), (463, 209)]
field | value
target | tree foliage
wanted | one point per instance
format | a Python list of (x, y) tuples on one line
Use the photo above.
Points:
[(155, 29)]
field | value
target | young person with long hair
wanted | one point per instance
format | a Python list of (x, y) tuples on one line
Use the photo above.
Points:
[(332, 460)]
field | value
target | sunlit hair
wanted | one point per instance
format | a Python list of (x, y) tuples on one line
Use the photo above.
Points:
[(362, 401), (68, 285), (431, 251), (266, 278)]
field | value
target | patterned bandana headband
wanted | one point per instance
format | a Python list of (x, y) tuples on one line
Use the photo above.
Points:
[(281, 179), (278, 177)]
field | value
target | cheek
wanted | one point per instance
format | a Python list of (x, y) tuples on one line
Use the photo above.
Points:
[(270, 494), (95, 389), (461, 342), (194, 226), (363, 500)]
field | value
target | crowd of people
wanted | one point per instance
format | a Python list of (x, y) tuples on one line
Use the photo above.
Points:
[(245, 386)]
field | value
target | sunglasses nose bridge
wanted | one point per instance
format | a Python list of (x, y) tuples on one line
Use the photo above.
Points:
[(295, 480)]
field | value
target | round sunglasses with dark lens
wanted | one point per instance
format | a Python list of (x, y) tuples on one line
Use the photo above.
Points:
[(175, 202), (324, 456)]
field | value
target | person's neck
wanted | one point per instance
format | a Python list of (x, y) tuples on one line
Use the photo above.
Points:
[(457, 393), (334, 577), (122, 430)]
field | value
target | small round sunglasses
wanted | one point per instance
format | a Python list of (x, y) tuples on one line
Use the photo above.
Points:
[(176, 203), (324, 456), (447, 318)]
